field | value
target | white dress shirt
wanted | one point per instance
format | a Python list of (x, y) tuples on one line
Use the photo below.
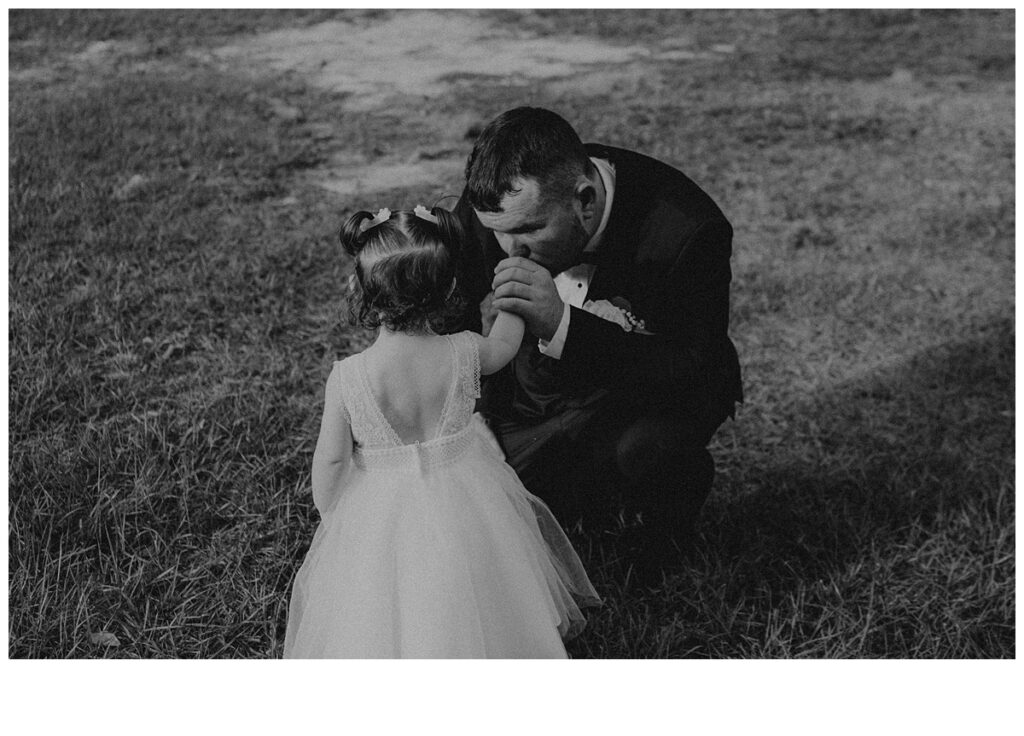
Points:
[(573, 283)]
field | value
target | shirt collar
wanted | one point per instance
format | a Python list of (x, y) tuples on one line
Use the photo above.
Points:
[(607, 171)]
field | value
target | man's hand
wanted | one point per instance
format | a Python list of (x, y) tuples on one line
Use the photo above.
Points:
[(527, 289)]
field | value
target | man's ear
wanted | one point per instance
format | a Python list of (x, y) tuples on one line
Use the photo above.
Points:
[(586, 198)]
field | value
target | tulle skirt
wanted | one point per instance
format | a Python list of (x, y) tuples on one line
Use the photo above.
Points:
[(437, 557)]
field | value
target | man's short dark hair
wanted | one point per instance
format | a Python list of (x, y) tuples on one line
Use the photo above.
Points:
[(527, 142)]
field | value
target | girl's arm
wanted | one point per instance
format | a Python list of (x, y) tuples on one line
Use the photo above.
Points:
[(501, 343), (333, 447)]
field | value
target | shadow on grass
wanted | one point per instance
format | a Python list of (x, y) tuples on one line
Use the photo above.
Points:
[(881, 526), (894, 450), (891, 488)]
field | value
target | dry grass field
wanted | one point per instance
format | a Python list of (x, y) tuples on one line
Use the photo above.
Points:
[(176, 182)]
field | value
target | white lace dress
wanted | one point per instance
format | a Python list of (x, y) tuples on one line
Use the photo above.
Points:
[(433, 549)]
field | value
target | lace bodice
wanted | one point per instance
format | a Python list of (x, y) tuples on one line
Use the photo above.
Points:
[(375, 438)]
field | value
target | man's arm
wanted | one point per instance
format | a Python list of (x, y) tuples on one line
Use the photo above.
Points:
[(689, 316)]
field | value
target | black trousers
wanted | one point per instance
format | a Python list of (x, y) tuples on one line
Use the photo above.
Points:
[(655, 457)]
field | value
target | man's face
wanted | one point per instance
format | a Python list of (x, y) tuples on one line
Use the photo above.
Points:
[(549, 233)]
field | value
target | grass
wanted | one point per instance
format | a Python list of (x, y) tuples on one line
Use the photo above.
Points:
[(169, 338)]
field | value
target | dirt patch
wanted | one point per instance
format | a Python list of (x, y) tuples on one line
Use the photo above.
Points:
[(351, 177), (394, 62), (419, 53)]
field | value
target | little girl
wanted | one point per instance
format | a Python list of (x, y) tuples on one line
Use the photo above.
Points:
[(429, 545)]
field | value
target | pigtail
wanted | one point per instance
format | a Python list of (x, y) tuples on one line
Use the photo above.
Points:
[(352, 236), (451, 231), (353, 239), (453, 302)]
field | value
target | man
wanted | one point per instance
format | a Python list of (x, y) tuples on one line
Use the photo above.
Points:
[(619, 265)]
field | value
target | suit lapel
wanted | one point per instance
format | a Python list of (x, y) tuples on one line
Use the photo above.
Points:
[(614, 272)]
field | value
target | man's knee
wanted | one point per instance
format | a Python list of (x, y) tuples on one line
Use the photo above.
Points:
[(661, 459), (658, 440), (647, 443)]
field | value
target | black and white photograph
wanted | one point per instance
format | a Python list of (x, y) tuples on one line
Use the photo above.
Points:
[(590, 334)]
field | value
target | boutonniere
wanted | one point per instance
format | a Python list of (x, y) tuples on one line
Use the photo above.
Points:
[(618, 310)]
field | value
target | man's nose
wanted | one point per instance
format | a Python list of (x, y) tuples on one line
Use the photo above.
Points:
[(512, 245)]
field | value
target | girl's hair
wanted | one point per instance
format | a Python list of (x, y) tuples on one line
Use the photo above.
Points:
[(404, 271)]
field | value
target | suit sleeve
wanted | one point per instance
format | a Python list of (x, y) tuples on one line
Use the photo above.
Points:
[(685, 360)]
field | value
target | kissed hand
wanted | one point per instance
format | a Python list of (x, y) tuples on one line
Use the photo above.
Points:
[(527, 289)]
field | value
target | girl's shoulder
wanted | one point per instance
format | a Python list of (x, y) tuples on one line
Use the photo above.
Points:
[(340, 369), (467, 336), (347, 359), (350, 359), (344, 384), (467, 342)]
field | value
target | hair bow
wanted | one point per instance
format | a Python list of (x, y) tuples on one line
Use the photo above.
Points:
[(424, 214), (383, 215)]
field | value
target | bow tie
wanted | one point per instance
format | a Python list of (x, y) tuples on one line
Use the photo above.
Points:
[(589, 257)]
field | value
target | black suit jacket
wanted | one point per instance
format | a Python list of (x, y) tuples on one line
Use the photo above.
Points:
[(666, 252)]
